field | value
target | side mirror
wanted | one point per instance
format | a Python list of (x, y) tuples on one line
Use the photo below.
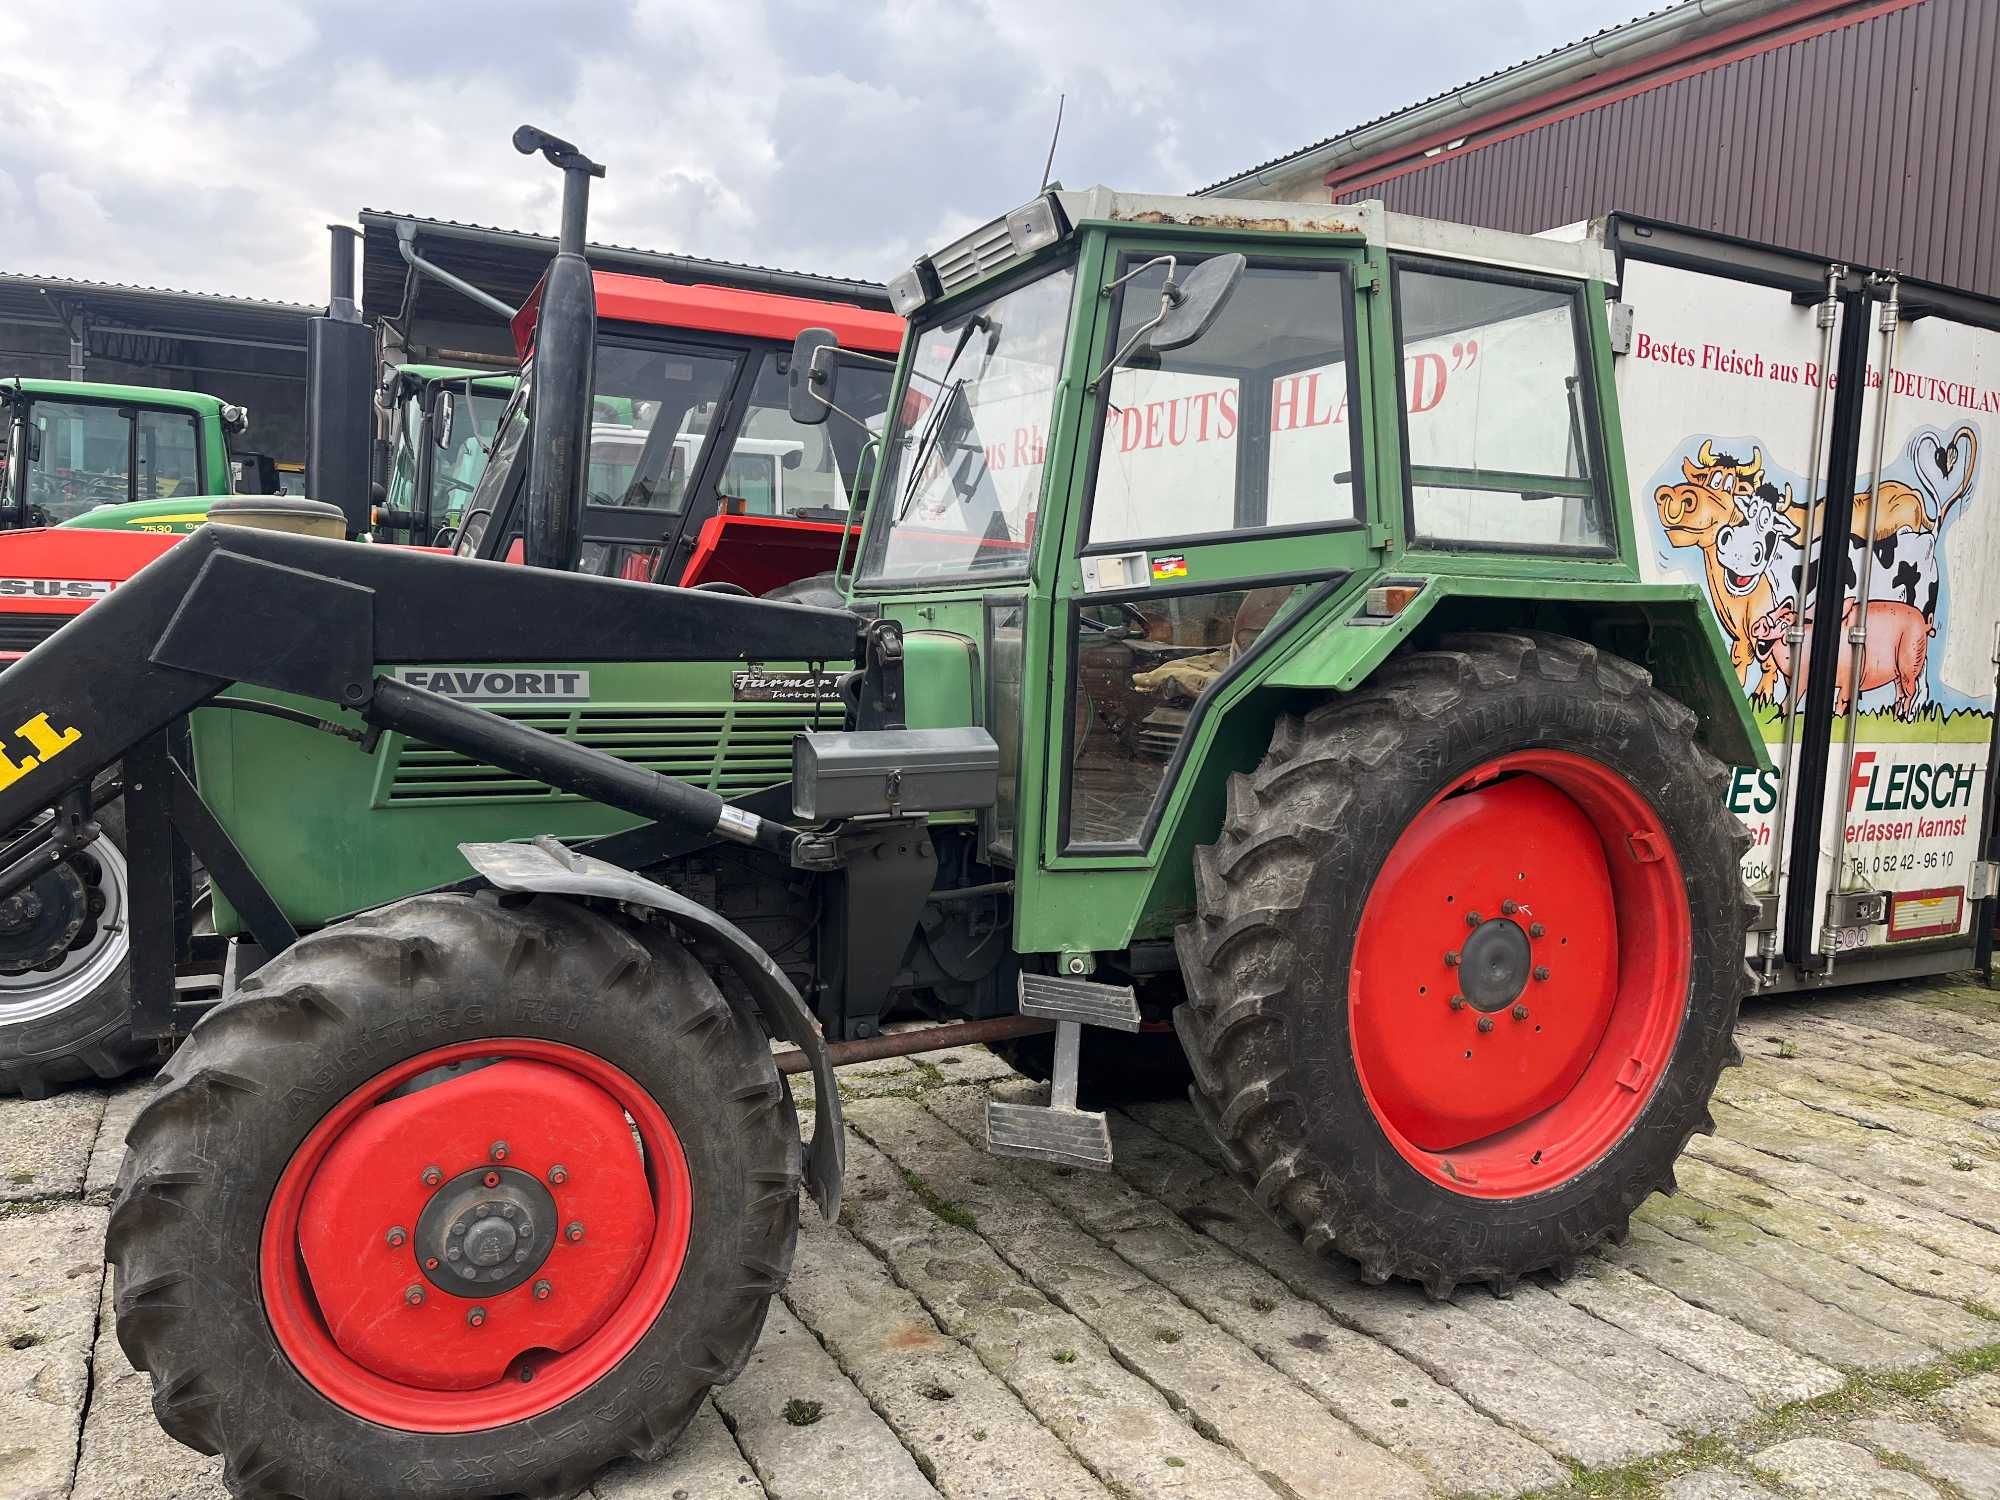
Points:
[(810, 382), (445, 414), (1192, 308)]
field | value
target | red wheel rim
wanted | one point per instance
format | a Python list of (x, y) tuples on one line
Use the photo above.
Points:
[(1520, 974), (346, 1241)]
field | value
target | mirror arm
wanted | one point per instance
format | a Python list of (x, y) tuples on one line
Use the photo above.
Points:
[(1125, 351), (1168, 261)]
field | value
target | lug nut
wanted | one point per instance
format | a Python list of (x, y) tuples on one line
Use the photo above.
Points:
[(433, 1176), (508, 1211), (542, 1290), (1520, 1012), (1458, 1002), (498, 1151), (470, 1273), (1485, 1023), (1509, 907), (1451, 958), (454, 1253), (558, 1174), (477, 1317), (574, 1232), (396, 1237), (413, 1294), (1541, 971), (1472, 919), (1536, 929)]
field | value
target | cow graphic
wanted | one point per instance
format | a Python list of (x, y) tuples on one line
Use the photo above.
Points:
[(1751, 534)]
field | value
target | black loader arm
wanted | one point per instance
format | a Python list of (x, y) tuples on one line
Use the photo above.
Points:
[(318, 617)]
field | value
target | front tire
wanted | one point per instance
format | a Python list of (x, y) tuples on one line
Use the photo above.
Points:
[(1467, 959), (560, 1107)]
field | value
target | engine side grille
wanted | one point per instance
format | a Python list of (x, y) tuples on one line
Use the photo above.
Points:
[(729, 748), (23, 632)]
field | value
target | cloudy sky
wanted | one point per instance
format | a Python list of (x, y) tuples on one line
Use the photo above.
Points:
[(203, 147)]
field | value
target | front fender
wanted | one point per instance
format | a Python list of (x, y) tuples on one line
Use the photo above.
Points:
[(547, 866)]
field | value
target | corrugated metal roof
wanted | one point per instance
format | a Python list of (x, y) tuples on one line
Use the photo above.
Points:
[(136, 290), (1484, 78), (529, 237)]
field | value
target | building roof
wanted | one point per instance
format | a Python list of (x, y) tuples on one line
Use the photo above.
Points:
[(1619, 45), (160, 312), (507, 263)]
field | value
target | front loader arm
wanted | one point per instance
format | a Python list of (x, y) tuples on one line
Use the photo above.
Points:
[(318, 618)]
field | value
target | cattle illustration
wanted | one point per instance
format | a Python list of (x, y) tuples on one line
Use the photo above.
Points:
[(1896, 651), (1752, 534)]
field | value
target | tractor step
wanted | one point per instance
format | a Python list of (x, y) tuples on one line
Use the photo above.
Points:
[(1058, 1131), (1054, 998), (1073, 1137)]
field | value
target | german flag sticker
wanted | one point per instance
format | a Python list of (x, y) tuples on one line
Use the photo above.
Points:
[(1171, 565)]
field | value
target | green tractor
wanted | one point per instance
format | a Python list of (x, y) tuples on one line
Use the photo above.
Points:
[(1203, 670), (112, 456), (444, 421)]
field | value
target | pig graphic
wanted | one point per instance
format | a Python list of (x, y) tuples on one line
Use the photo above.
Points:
[(1898, 645)]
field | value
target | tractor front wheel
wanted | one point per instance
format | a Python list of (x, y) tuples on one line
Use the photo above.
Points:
[(1467, 959), (458, 1199)]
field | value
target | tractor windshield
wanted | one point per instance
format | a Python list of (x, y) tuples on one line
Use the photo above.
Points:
[(962, 464)]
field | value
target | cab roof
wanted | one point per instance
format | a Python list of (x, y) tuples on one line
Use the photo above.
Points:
[(198, 402), (720, 309)]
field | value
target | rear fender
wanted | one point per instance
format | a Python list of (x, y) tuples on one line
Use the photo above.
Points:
[(547, 866), (1665, 627)]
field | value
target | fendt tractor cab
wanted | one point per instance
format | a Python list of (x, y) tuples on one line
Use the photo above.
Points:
[(111, 456), (443, 422), (1202, 667)]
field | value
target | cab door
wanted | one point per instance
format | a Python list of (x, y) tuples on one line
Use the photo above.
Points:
[(1221, 488)]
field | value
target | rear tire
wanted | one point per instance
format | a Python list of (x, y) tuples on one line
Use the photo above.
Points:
[(73, 1025), (1331, 1085), (215, 1292), (818, 590)]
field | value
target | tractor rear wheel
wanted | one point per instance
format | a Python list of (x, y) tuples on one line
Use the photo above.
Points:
[(65, 981), (455, 1199), (1466, 960)]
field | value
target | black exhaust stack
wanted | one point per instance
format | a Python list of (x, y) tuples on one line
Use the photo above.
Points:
[(340, 375), (564, 360)]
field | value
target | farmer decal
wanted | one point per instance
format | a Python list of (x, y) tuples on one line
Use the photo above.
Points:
[(1739, 525)]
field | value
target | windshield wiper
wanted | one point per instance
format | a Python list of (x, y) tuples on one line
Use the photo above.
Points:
[(934, 427)]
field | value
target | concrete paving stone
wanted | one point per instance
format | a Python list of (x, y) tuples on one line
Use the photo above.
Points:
[(1773, 1162), (124, 1454), (976, 1064), (804, 1427), (1383, 1395), (45, 1144), (1785, 1087), (1972, 1406), (1858, 1029), (1935, 1024), (1773, 1373), (107, 1151), (1714, 1484), (1498, 1375), (1176, 1120), (1936, 1324), (969, 1433), (703, 1464), (1276, 1426), (51, 1269), (1894, 1257), (1906, 1184), (1726, 1285), (1888, 1060), (1816, 1468), (1973, 1469), (1120, 1427)]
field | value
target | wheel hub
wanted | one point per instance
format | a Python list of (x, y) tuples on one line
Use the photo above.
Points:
[(511, 1172), (39, 922), (474, 1240), (1493, 970)]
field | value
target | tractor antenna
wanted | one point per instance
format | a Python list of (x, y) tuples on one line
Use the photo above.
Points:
[(1049, 165)]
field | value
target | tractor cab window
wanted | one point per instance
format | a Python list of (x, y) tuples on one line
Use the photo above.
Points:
[(1498, 412), (962, 463), (491, 489), (779, 468), (469, 421), (83, 454), (650, 412), (1250, 427)]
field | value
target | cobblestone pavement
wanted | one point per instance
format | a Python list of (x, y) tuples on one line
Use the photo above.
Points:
[(1816, 1311)]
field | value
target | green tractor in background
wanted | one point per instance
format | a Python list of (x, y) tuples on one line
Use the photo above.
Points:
[(444, 421), (1199, 671)]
